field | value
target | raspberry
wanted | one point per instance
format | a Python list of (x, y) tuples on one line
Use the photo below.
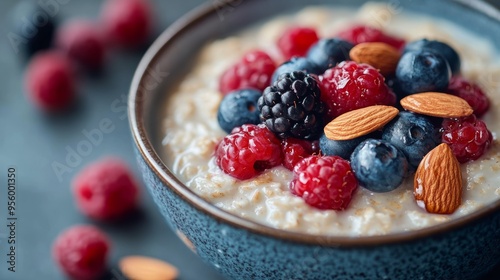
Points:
[(247, 151), (291, 107), (106, 189), (81, 252), (294, 150), (324, 182), (127, 23), (296, 41), (254, 70), (361, 34), (471, 92), (50, 81), (468, 137), (83, 42), (349, 86)]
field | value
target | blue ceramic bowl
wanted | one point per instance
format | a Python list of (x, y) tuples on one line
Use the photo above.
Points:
[(465, 248)]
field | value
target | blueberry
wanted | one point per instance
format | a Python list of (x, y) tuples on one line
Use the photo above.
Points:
[(442, 48), (420, 71), (341, 148), (32, 28), (392, 82), (237, 108), (378, 165), (296, 64), (413, 134), (327, 53)]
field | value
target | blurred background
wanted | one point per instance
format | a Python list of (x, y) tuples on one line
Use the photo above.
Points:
[(34, 143)]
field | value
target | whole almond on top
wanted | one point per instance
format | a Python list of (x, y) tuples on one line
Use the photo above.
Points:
[(437, 104), (359, 122), (438, 181), (139, 268), (379, 55)]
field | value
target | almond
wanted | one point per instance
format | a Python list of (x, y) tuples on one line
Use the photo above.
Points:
[(359, 122), (437, 104), (379, 55), (139, 268), (438, 181)]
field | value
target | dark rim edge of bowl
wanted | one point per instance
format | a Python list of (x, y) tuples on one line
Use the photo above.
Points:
[(145, 147)]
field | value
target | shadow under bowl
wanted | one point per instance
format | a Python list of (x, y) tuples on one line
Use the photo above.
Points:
[(465, 248)]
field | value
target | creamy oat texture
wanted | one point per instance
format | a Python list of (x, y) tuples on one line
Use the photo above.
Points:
[(191, 132)]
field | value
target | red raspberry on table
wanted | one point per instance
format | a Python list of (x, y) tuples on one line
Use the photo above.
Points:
[(324, 182), (81, 252), (254, 70), (471, 92), (50, 81), (127, 23), (349, 86), (294, 150), (83, 42), (362, 34), (468, 137), (106, 189), (296, 41), (247, 151)]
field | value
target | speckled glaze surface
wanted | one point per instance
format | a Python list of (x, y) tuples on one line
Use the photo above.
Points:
[(465, 253), (239, 249)]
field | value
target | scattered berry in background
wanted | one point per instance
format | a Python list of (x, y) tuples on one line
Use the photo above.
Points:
[(442, 48), (50, 81), (421, 71), (32, 28), (247, 151), (349, 86), (341, 148), (84, 42), (147, 268), (81, 252), (468, 137), (292, 107), (106, 189), (378, 165), (327, 53), (324, 182), (471, 93), (254, 70), (296, 41), (238, 108), (362, 34), (296, 64), (415, 135), (127, 23), (294, 150)]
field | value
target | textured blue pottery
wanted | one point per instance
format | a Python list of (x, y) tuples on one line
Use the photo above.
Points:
[(466, 248)]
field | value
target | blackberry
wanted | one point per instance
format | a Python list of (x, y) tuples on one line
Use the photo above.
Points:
[(291, 106)]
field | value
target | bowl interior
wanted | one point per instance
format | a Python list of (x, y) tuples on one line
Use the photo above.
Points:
[(171, 56)]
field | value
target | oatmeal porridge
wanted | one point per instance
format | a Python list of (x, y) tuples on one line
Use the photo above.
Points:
[(192, 132)]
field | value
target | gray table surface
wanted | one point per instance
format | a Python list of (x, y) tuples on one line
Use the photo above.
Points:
[(31, 142)]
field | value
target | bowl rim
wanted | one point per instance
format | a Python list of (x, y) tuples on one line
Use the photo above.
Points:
[(154, 162)]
